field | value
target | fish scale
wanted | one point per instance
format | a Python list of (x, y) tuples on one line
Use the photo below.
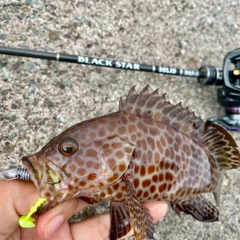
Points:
[(148, 150)]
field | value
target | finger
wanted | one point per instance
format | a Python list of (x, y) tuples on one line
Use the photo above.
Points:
[(16, 198), (23, 194), (63, 232), (94, 228), (50, 222), (157, 209), (97, 227)]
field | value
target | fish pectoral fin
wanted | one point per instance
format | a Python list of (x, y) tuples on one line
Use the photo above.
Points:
[(140, 217), (197, 206), (120, 220)]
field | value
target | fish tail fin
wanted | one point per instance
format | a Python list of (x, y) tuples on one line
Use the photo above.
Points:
[(221, 145)]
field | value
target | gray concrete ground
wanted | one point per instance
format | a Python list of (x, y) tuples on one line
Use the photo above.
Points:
[(39, 99)]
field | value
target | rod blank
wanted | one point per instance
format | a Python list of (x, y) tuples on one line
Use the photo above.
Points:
[(99, 62)]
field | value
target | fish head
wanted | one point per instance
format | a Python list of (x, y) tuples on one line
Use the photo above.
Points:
[(74, 164), (47, 169)]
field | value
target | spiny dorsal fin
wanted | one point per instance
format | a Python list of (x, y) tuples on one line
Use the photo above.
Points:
[(218, 141)]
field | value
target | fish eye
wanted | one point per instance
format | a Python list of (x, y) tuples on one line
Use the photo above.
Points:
[(68, 147)]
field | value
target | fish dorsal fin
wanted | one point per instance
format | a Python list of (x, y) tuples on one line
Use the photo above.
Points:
[(218, 141), (157, 107)]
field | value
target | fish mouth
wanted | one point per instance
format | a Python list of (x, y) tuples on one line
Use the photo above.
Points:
[(50, 180), (31, 170), (27, 163), (41, 174)]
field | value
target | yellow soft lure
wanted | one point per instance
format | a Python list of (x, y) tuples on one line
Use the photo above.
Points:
[(27, 221)]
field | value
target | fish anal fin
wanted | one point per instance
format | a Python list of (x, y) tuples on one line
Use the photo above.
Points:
[(120, 220), (197, 206), (217, 191), (141, 219)]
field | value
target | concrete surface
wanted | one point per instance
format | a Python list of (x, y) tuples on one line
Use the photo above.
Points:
[(39, 99)]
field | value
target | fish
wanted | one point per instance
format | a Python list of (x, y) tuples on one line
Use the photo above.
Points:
[(148, 150)]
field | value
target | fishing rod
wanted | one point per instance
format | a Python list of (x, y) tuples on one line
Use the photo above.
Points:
[(208, 73), (228, 77)]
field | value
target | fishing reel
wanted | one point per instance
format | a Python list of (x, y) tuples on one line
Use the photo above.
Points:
[(229, 94)]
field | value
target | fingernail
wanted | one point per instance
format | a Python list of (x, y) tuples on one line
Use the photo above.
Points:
[(53, 225)]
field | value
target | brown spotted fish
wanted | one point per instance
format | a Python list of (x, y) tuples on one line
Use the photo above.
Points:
[(148, 150)]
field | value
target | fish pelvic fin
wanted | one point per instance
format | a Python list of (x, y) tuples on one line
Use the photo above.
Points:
[(197, 206), (218, 142), (120, 220), (140, 217)]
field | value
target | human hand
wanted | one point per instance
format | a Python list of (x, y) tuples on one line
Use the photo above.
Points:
[(17, 198)]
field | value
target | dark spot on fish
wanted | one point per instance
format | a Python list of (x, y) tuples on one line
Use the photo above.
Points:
[(155, 178), (146, 194), (143, 171), (105, 146), (162, 164), (172, 196), (167, 165), (116, 186), (102, 194), (81, 171), (151, 169), (169, 176), (100, 184), (91, 176), (109, 190), (122, 167), (156, 196), (48, 195), (116, 145), (161, 177), (146, 183), (152, 188), (136, 182), (82, 183), (139, 194), (119, 195), (89, 164), (162, 187), (119, 154)]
